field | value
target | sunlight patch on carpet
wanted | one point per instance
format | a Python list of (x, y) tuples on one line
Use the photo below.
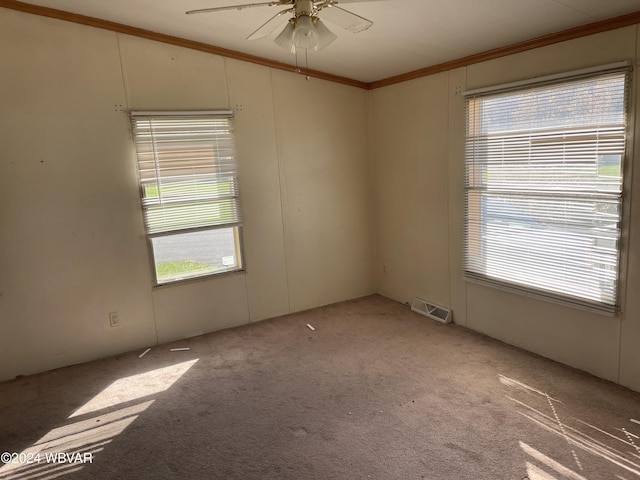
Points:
[(70, 448), (596, 445), (135, 387), (549, 462)]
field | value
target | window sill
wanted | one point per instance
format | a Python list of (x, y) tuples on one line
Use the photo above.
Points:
[(548, 297), (200, 278)]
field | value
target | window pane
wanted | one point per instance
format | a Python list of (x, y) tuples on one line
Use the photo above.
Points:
[(186, 255), (189, 192), (565, 246), (544, 177)]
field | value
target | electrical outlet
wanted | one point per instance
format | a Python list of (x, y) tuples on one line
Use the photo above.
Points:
[(114, 319)]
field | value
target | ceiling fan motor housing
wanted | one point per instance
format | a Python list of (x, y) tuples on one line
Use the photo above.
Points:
[(304, 7)]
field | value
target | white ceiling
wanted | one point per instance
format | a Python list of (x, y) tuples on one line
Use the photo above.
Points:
[(407, 35)]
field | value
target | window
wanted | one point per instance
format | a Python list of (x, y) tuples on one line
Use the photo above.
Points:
[(544, 179), (189, 190)]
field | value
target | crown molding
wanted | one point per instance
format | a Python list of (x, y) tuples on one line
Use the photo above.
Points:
[(171, 40), (570, 34)]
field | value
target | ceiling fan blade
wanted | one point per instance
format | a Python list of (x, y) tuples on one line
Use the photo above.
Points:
[(354, 1), (270, 25), (345, 19), (240, 6)]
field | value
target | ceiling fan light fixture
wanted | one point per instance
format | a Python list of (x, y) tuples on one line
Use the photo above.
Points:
[(305, 32), (305, 35), (285, 38), (325, 36)]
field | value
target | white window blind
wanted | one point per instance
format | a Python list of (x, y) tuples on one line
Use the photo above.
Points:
[(187, 171), (544, 178), (189, 191)]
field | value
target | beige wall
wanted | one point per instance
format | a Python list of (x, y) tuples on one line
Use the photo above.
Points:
[(72, 245), (409, 132), (344, 192), (321, 133), (419, 173)]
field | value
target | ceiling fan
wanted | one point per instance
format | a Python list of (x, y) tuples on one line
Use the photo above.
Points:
[(304, 29)]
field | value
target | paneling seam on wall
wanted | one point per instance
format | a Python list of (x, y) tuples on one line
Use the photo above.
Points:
[(125, 88), (226, 81), (446, 183), (242, 254), (122, 73), (282, 191), (372, 174)]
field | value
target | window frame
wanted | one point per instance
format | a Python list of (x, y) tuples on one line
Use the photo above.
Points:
[(215, 167), (624, 68)]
